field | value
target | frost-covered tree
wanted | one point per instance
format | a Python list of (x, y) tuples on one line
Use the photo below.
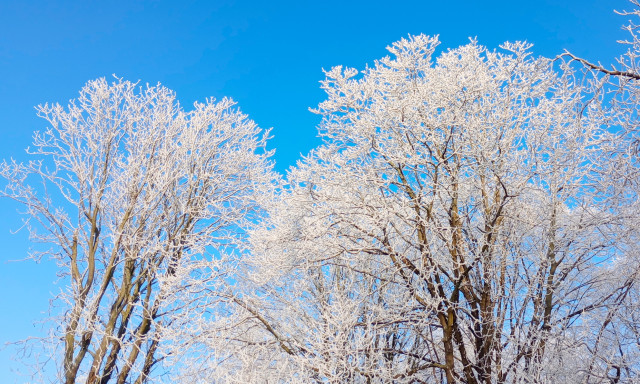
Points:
[(617, 331), (141, 204), (460, 223), (471, 217)]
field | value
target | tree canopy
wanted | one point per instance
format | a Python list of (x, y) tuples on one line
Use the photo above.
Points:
[(471, 217)]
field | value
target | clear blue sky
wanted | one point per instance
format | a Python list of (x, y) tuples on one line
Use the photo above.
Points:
[(267, 55)]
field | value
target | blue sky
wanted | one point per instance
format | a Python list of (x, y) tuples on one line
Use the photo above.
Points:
[(267, 55)]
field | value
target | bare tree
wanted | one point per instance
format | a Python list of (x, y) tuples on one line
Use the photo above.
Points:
[(141, 203), (471, 217), (616, 330), (458, 225)]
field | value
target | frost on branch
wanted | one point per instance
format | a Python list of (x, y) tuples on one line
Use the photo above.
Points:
[(457, 225), (471, 217), (143, 204)]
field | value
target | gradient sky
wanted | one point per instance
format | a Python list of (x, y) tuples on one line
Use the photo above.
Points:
[(267, 55)]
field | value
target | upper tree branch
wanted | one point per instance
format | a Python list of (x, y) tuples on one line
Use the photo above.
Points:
[(599, 68)]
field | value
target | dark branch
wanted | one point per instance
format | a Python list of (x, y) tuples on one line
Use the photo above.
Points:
[(614, 72)]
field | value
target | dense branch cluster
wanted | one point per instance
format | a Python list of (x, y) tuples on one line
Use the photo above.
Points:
[(151, 199), (471, 217), (460, 224)]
